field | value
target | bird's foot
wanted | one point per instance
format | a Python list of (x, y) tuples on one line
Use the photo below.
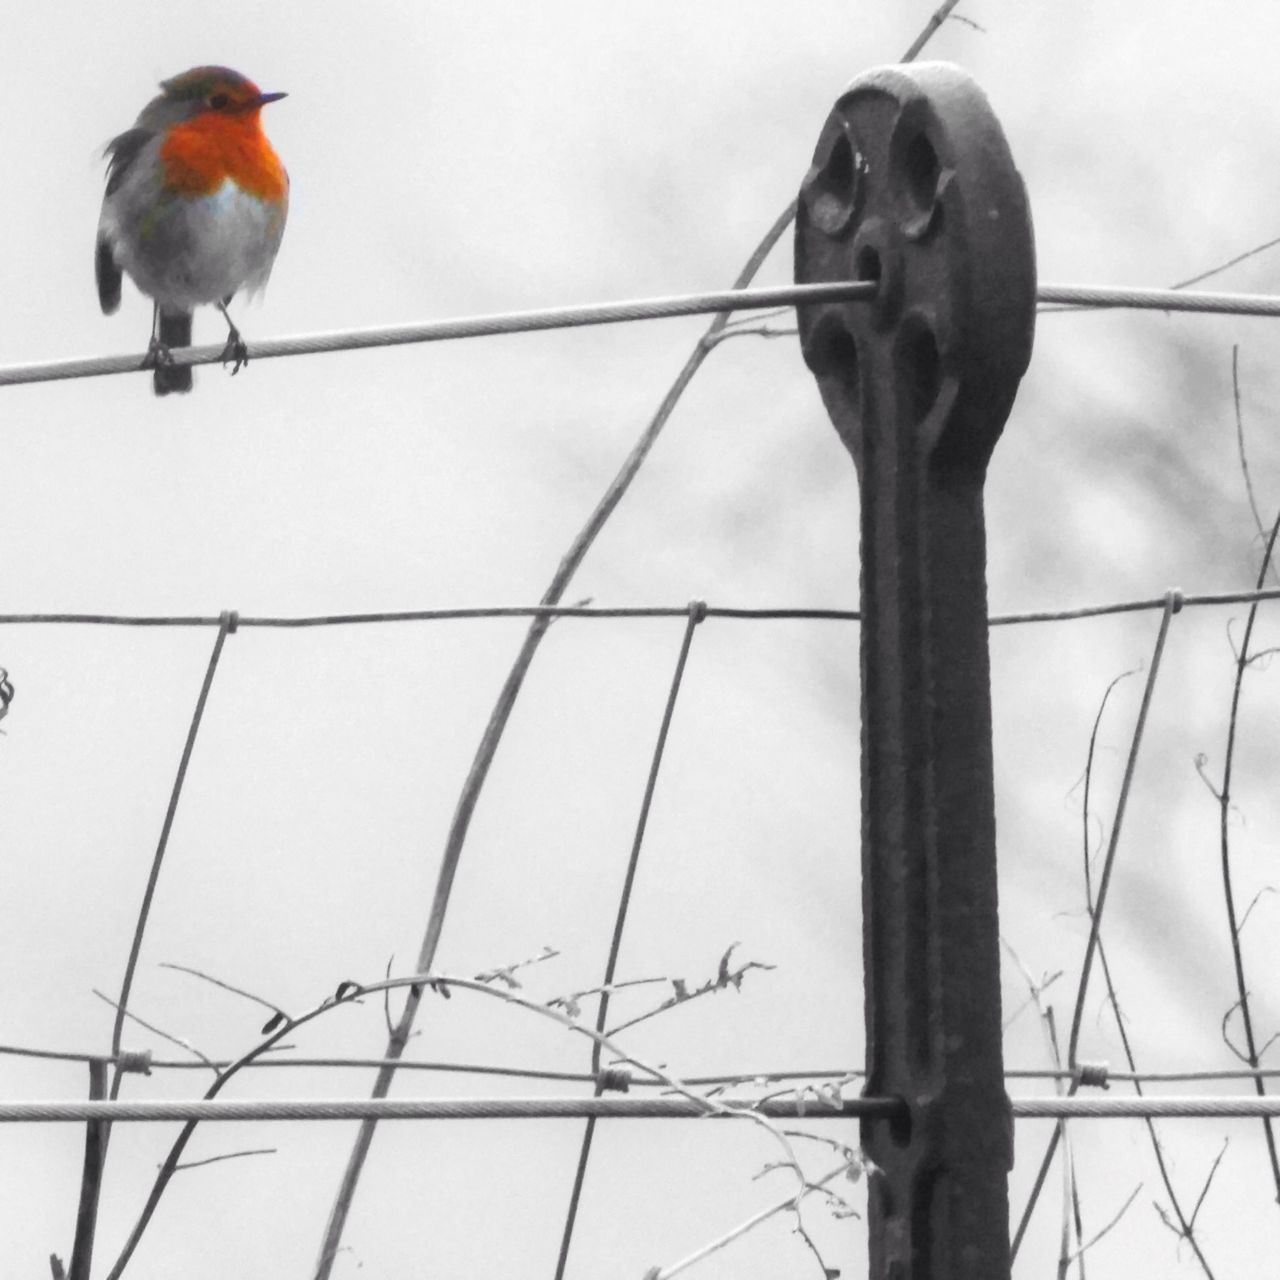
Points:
[(236, 351), (158, 356)]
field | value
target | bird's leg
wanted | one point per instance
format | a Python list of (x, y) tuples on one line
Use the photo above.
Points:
[(235, 348), (158, 354)]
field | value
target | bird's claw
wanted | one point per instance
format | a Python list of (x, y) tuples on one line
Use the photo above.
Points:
[(236, 351), (158, 356)]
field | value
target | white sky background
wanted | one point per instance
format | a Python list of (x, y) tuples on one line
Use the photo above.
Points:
[(450, 160)]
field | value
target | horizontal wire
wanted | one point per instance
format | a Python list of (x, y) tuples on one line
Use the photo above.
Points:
[(1052, 1106), (144, 1063), (1078, 296), (693, 304), (434, 1109), (1145, 1107), (1099, 1075), (423, 615), (1093, 297), (591, 611)]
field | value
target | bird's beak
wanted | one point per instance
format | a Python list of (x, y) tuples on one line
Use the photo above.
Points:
[(263, 98)]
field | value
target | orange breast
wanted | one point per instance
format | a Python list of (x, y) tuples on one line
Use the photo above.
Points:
[(198, 155)]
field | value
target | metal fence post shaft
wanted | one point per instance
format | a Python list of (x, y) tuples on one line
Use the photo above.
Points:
[(912, 186)]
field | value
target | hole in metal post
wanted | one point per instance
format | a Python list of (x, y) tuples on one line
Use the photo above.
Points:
[(832, 353), (833, 188), (922, 170), (900, 1126), (867, 265), (919, 368)]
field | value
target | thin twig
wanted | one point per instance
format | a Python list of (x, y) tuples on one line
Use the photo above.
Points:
[(226, 986), (1124, 1208), (506, 973), (1252, 1053), (229, 1155), (1244, 461), (1231, 262), (205, 1060), (1204, 1191), (1240, 449), (572, 1002), (848, 1168), (940, 15), (725, 978)]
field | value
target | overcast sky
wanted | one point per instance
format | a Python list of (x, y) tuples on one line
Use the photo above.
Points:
[(449, 160)]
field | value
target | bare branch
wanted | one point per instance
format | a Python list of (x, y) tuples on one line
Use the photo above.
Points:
[(230, 1155), (1231, 262), (164, 1035), (1124, 1208), (506, 974), (226, 986), (724, 979), (1204, 1191)]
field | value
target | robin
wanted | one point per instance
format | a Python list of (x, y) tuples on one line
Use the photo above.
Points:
[(194, 210)]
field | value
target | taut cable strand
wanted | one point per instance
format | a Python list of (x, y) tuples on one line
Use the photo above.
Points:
[(206, 1110), (1072, 296), (694, 304)]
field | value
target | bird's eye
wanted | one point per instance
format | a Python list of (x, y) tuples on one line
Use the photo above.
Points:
[(218, 100)]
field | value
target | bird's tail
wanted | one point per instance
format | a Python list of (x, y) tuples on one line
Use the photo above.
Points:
[(175, 331)]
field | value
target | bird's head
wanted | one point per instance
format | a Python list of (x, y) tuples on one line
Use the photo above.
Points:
[(218, 90)]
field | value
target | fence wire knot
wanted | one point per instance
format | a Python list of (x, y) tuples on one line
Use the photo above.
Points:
[(1094, 1075), (615, 1078), (697, 611), (138, 1060), (1174, 599), (229, 620)]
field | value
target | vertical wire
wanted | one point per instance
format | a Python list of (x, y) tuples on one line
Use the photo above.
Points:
[(1172, 604), (99, 1136), (226, 624), (95, 1152), (697, 612)]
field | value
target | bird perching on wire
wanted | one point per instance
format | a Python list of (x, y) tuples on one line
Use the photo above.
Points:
[(194, 210)]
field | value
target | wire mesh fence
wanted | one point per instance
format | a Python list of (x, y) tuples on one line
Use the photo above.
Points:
[(826, 1095)]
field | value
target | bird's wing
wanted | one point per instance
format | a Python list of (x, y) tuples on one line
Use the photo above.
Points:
[(121, 152)]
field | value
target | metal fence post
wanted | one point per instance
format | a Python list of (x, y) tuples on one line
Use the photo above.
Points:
[(913, 186)]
